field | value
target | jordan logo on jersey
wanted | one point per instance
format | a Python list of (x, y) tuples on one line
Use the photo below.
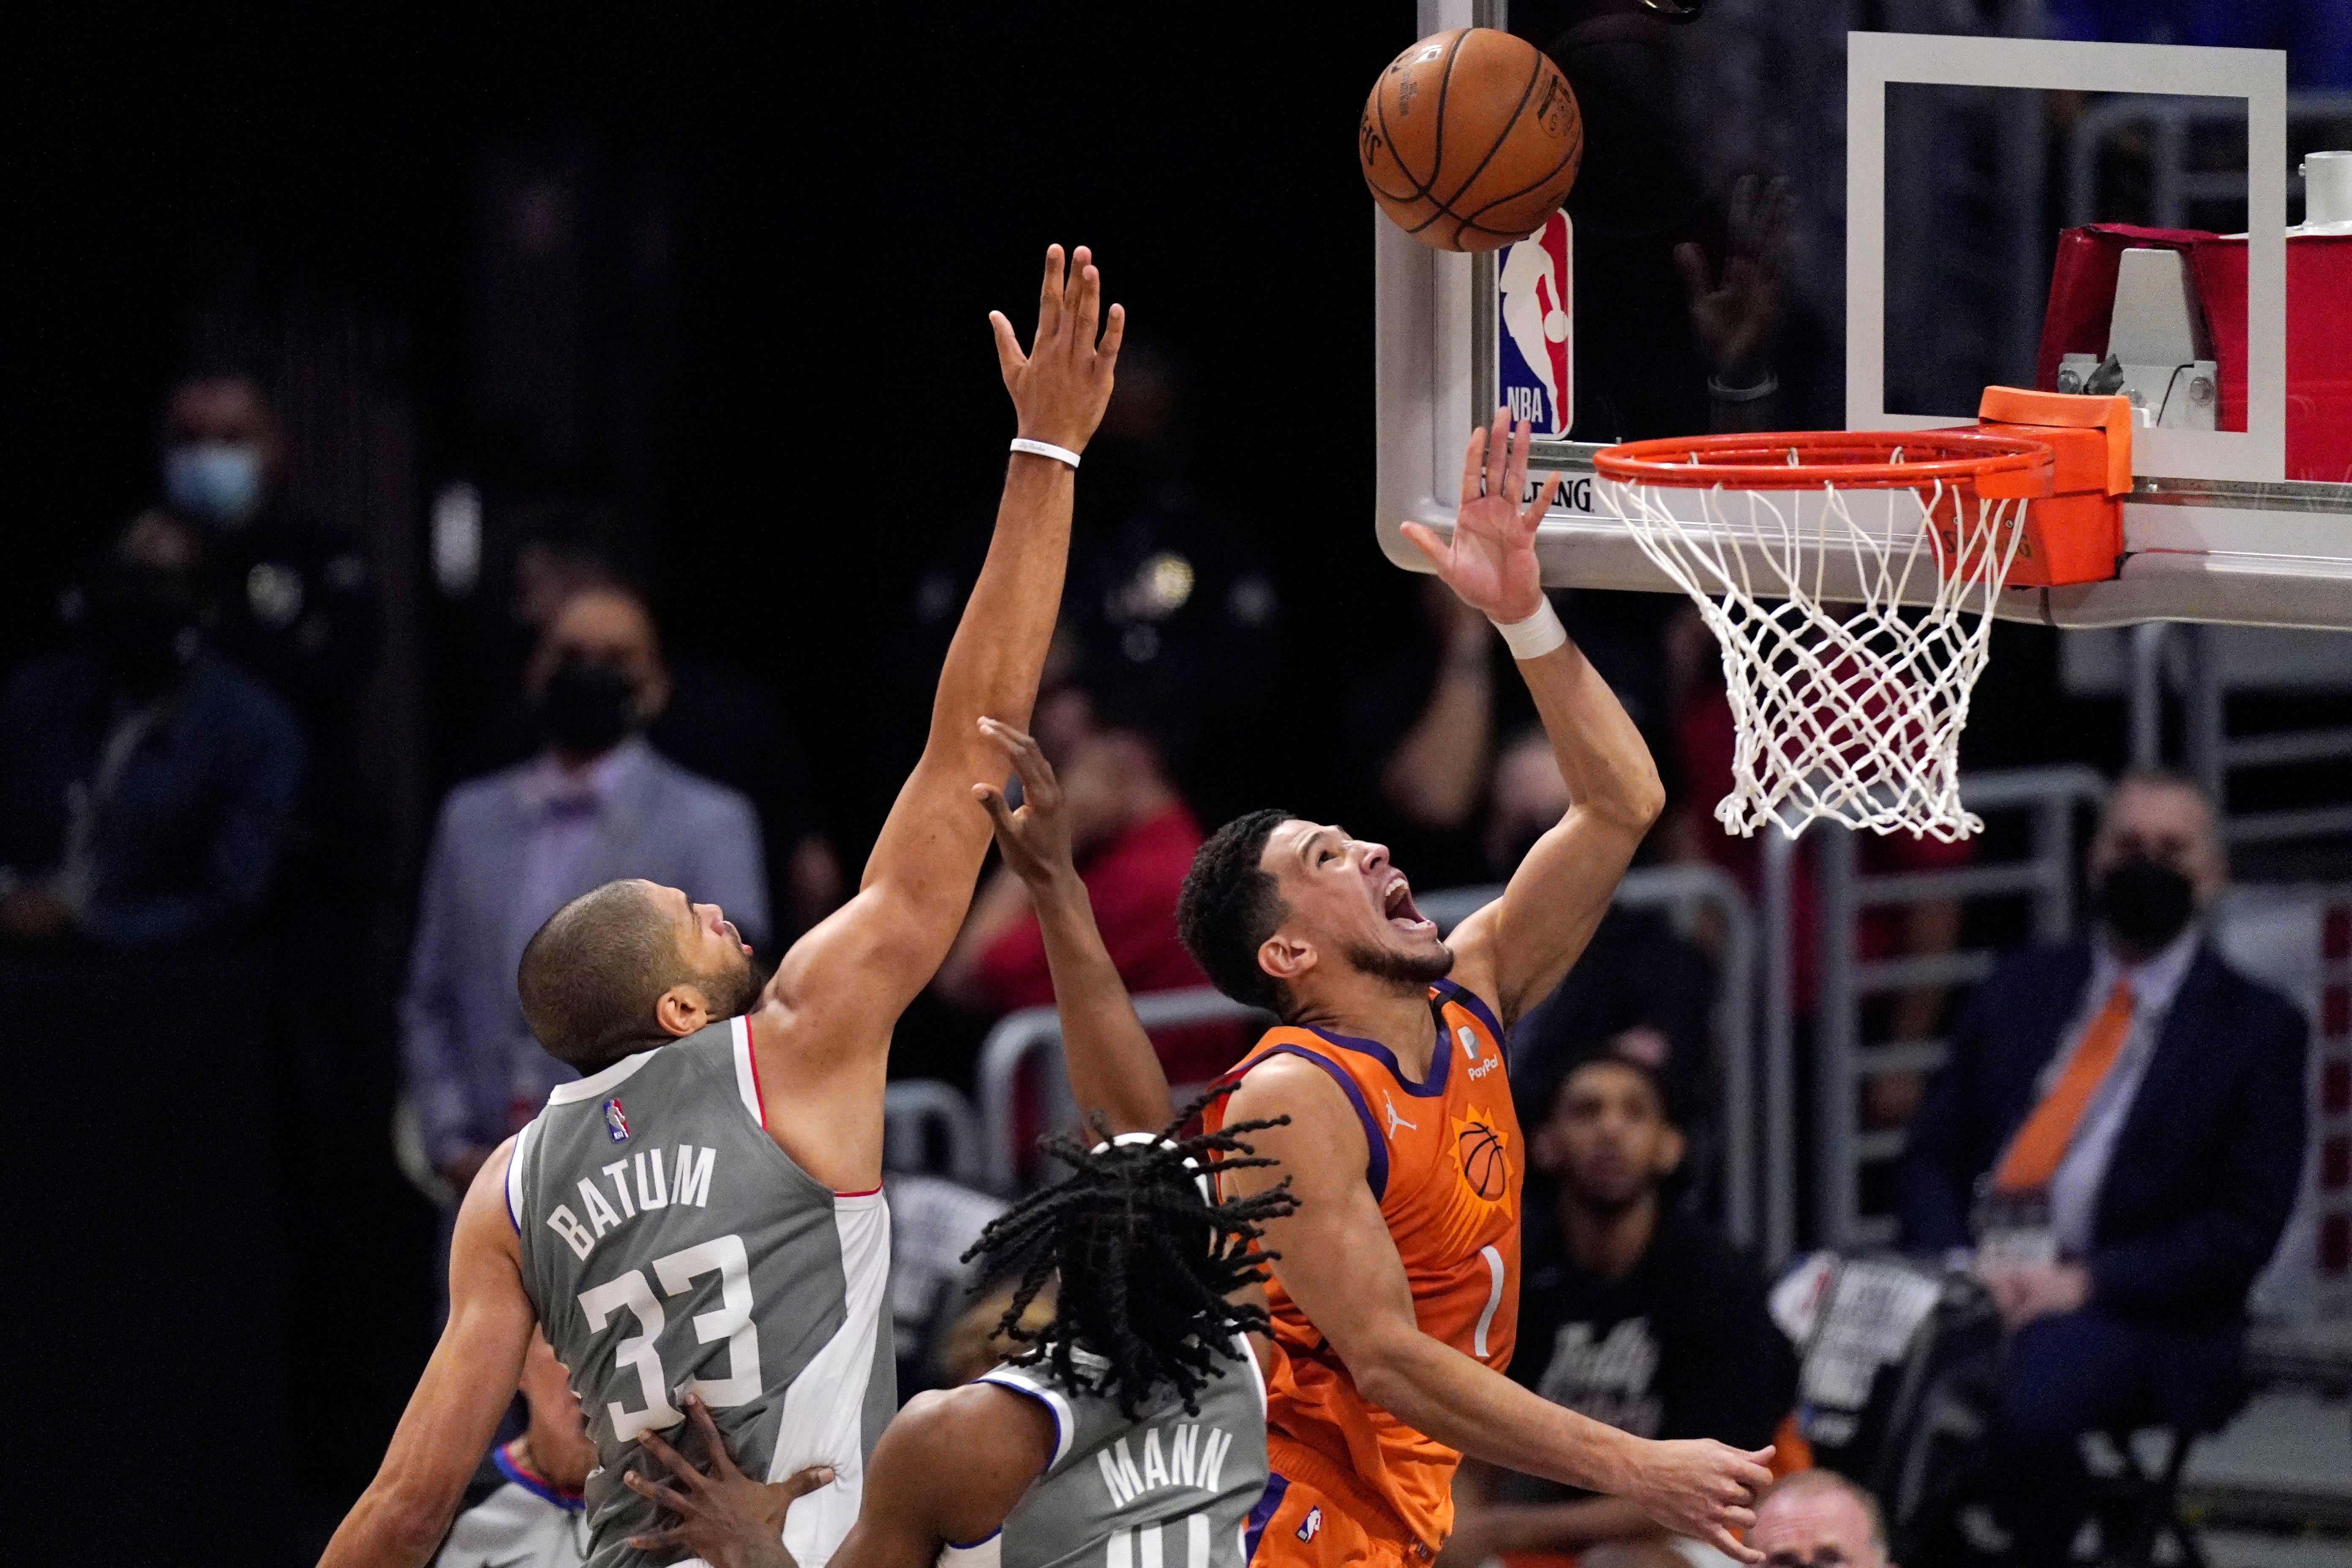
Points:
[(1396, 1121), (1311, 1523)]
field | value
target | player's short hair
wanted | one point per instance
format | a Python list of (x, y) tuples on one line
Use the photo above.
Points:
[(1230, 905), (591, 975), (1142, 1263)]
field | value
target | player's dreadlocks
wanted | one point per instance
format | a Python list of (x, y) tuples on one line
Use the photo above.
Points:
[(1145, 1261)]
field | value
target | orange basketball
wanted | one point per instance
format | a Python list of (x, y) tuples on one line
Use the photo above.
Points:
[(1471, 139)]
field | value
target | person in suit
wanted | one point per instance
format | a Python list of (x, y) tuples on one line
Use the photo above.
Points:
[(2119, 1130), (510, 849)]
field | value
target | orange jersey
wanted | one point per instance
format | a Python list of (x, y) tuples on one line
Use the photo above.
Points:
[(1445, 1163)]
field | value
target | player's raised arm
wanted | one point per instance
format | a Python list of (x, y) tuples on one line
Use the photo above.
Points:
[(1336, 1259), (834, 999), (1518, 948), (1113, 1070), (399, 1520)]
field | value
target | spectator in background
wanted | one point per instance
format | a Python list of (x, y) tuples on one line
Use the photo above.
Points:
[(299, 602), (707, 720), (1640, 990), (1632, 1312), (597, 803), (1133, 838), (933, 1224), (145, 783), (1818, 1518), (2130, 1109)]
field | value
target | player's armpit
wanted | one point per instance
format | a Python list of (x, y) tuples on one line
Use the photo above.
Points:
[(946, 1472), (465, 1387)]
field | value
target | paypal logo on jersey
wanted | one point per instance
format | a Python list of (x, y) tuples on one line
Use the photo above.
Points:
[(616, 1121), (1534, 343)]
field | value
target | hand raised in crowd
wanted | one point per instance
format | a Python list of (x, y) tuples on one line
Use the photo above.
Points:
[(1490, 560), (1036, 838), (1061, 386), (1705, 1489), (725, 1518), (1734, 317)]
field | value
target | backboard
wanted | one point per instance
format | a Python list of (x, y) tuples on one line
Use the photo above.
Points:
[(2212, 531)]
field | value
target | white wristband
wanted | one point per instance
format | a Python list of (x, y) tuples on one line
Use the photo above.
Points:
[(1537, 636), (1044, 449)]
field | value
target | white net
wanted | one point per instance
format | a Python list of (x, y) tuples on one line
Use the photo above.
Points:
[(1852, 631)]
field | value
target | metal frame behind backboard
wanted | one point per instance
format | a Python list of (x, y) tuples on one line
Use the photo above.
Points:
[(2256, 76)]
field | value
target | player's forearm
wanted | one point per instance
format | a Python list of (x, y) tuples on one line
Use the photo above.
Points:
[(1602, 755), (1437, 1390), (1112, 1066), (386, 1531), (999, 648)]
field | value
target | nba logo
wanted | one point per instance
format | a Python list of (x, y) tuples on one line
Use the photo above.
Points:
[(616, 1122), (1533, 342), (1312, 1522)]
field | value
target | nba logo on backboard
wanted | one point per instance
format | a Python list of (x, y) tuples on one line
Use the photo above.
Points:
[(1533, 341), (616, 1122)]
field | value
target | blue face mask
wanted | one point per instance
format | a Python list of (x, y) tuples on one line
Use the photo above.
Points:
[(214, 482)]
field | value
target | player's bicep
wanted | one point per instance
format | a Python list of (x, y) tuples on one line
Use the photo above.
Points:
[(1337, 1261), (947, 1470), (1519, 948)]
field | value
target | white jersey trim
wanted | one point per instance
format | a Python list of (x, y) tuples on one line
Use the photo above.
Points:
[(1257, 1373), (822, 1417), (514, 1171), (747, 1071), (612, 1077), (1021, 1380), (988, 1554)]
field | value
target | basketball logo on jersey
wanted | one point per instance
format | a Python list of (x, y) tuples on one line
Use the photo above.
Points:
[(616, 1121)]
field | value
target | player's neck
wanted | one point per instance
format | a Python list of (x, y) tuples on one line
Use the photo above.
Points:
[(1609, 1242), (1382, 1012)]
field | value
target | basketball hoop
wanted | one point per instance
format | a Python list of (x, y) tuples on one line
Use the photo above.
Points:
[(1849, 577)]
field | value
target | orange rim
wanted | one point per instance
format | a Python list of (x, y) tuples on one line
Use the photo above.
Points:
[(1999, 467)]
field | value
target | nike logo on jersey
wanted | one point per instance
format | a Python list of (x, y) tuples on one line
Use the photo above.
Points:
[(686, 1183), (1194, 1457)]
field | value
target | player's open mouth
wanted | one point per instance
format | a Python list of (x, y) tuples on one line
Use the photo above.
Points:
[(1397, 904)]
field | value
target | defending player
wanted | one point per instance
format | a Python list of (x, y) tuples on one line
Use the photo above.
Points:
[(1135, 1430), (1396, 1297), (706, 1217)]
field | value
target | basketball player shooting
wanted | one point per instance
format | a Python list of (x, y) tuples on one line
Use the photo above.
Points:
[(1395, 1295), (700, 1217)]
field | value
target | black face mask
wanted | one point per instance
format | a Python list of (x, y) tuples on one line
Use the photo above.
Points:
[(2146, 904), (587, 707)]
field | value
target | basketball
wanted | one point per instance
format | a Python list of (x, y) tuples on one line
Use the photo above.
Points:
[(1484, 1166), (1470, 137)]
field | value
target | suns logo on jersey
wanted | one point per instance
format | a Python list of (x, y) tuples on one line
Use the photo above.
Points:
[(1482, 1157), (616, 1122)]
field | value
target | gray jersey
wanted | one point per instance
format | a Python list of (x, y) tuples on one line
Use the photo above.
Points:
[(1168, 1491), (668, 1245)]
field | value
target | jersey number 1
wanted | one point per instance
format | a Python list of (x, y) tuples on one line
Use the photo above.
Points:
[(641, 1355)]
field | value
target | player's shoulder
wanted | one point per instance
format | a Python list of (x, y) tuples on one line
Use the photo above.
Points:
[(952, 1424)]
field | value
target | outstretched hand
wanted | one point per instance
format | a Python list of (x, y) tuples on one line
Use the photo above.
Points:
[(1061, 386), (1705, 1489), (1490, 560), (1734, 317), (725, 1518), (1036, 838)]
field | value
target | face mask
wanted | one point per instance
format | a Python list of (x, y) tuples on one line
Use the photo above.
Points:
[(588, 707), (214, 482), (2146, 904)]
